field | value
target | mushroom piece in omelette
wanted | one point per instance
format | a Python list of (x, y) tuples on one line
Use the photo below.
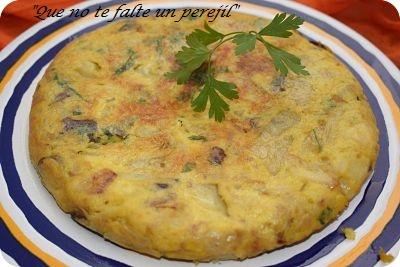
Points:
[(119, 147)]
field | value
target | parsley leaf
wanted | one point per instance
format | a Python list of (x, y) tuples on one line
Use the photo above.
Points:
[(190, 58), (193, 56), (281, 25), (205, 37), (284, 60), (181, 75), (195, 61), (246, 42), (226, 89), (212, 91)]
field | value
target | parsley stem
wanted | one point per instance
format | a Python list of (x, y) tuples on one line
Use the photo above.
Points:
[(262, 40), (221, 42), (231, 33)]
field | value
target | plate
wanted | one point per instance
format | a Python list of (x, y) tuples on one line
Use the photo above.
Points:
[(36, 232)]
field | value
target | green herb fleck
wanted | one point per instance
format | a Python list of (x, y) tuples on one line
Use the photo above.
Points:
[(331, 103), (198, 138), (76, 112), (126, 27), (159, 45), (224, 69), (142, 100), (317, 140), (198, 54), (66, 86), (128, 63), (176, 38), (108, 135), (189, 166), (325, 215), (192, 18)]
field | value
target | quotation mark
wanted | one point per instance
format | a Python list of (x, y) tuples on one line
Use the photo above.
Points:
[(35, 6)]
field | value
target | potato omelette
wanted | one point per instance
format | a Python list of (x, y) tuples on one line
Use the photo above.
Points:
[(119, 147)]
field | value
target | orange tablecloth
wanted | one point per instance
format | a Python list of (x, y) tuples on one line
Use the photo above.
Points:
[(375, 19)]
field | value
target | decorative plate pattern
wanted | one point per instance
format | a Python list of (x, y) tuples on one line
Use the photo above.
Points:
[(36, 232)]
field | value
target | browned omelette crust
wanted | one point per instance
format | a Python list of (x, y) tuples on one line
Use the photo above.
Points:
[(119, 147)]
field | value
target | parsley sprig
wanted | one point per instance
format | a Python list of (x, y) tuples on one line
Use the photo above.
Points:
[(201, 45)]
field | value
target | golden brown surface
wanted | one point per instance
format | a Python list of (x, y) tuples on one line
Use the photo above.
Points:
[(119, 147)]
